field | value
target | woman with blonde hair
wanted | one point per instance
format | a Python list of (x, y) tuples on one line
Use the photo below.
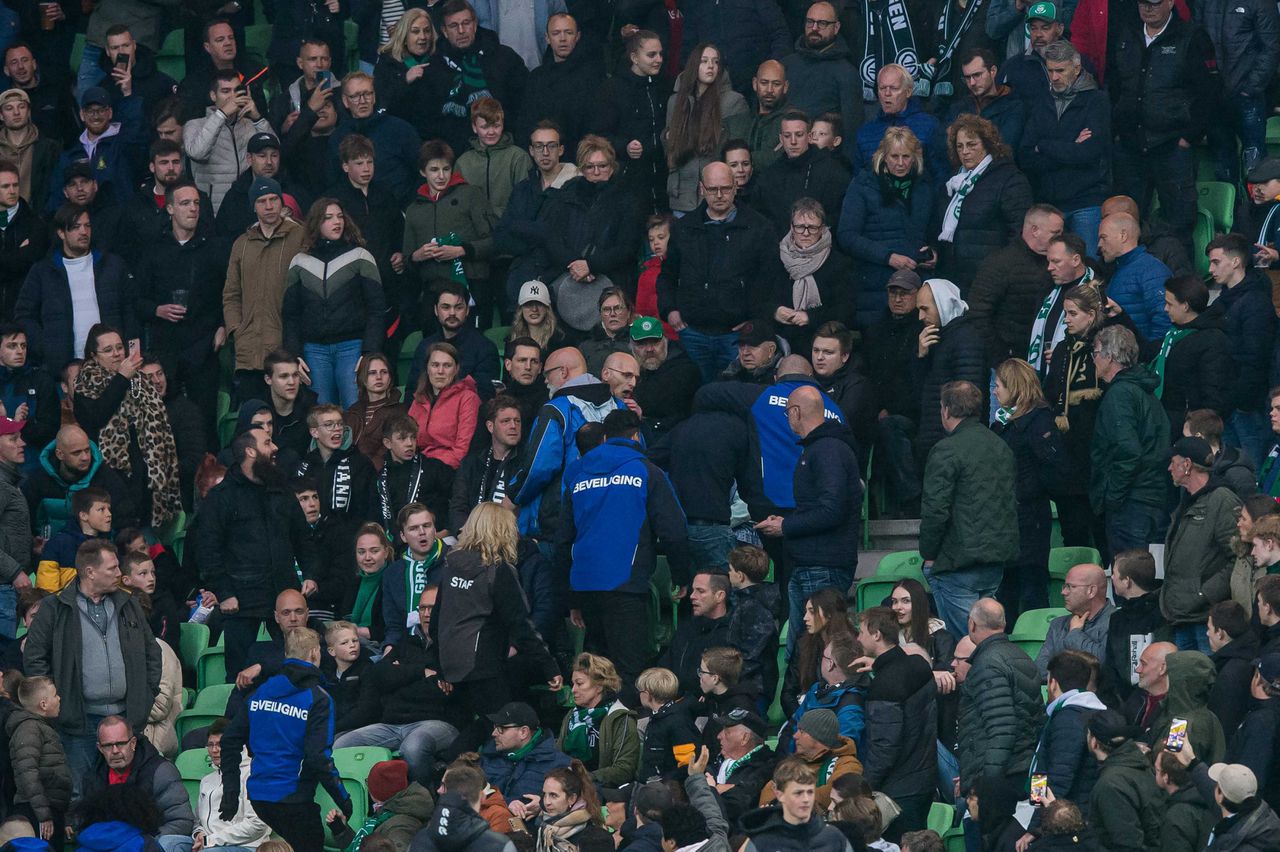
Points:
[(408, 76), (985, 199), (600, 730), (885, 219), (703, 112), (1026, 423), (480, 614)]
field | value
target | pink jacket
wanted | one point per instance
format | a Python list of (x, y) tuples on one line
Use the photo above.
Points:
[(445, 427)]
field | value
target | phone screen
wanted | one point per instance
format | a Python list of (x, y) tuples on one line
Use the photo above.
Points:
[(122, 60)]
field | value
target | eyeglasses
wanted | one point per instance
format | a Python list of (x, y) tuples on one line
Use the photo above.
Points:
[(703, 672), (117, 746), (96, 110), (543, 147), (330, 425), (822, 25), (807, 229), (718, 190), (425, 607), (551, 370), (613, 309), (596, 167), (1069, 586), (959, 659), (359, 97)]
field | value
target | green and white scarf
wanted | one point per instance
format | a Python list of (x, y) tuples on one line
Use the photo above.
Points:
[(959, 186), (887, 38), (582, 736), (1171, 337), (1035, 352)]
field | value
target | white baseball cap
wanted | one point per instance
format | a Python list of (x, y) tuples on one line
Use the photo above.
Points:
[(535, 291)]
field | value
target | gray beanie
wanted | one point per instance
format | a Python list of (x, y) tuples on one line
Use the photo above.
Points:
[(822, 725), (263, 186)]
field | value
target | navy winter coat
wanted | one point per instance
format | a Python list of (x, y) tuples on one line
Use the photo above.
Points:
[(1251, 327), (826, 523), (874, 225), (44, 306), (518, 778), (1065, 173), (990, 218)]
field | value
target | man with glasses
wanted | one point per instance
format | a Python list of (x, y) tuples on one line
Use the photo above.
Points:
[(1127, 483), (125, 758), (822, 77), (721, 262), (116, 676), (1084, 592), (476, 65), (109, 146), (395, 142), (518, 756), (804, 171)]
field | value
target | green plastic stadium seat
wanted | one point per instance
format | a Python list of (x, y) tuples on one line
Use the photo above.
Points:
[(1034, 623), (903, 563), (405, 363), (193, 764), (1063, 559), (211, 667), (356, 762), (941, 817), (1218, 199), (872, 591), (194, 638)]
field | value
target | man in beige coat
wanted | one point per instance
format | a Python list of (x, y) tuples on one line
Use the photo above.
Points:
[(254, 292)]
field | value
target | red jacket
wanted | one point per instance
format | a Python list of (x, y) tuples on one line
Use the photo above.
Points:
[(445, 427)]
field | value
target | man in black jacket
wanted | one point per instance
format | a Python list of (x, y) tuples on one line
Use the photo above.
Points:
[(1134, 625), (251, 532), (235, 213), (708, 628), (721, 262), (988, 97), (899, 753), (891, 356), (843, 381), (145, 218), (1066, 148), (486, 472), (1251, 327), (477, 64), (569, 75), (46, 305), (668, 378), (221, 54), (745, 764), (1164, 82), (477, 356), (149, 82), (23, 385), (1235, 650), (804, 171), (1011, 285), (522, 379), (179, 286), (1246, 45)]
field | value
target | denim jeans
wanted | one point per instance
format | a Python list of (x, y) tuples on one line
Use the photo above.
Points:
[(711, 352), (955, 592), (174, 842), (8, 611), (333, 370), (709, 544), (82, 753), (1134, 525), (90, 74), (418, 742), (1084, 224), (1245, 118), (805, 580), (1248, 431), (1192, 637)]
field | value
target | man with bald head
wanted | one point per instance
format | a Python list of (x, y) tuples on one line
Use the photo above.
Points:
[(1156, 236), (1143, 705), (70, 463), (577, 398), (722, 264), (1085, 626), (770, 86), (1001, 710), (1137, 285), (821, 533), (620, 373), (825, 78)]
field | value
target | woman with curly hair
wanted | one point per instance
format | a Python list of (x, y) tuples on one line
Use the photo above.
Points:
[(600, 730), (571, 820), (984, 202)]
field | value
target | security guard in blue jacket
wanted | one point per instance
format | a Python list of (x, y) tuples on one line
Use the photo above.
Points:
[(615, 504), (288, 726)]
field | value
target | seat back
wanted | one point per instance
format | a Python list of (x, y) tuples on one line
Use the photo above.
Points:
[(1034, 623), (1063, 559)]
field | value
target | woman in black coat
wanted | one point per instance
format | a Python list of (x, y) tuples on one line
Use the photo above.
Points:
[(595, 221), (885, 219), (1026, 423), (982, 208), (631, 112), (819, 278), (950, 350), (408, 75), (1194, 359)]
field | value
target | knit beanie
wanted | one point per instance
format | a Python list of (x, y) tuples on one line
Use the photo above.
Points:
[(821, 724), (387, 778), (263, 186)]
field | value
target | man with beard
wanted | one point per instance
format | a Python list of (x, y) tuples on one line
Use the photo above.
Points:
[(145, 219), (109, 146), (477, 356), (23, 144), (252, 531), (522, 373), (69, 464), (987, 98), (80, 187), (1024, 70), (825, 79), (23, 239), (668, 378), (770, 87)]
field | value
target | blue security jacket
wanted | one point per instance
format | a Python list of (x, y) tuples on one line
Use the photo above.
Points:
[(773, 442), (615, 503), (552, 448), (288, 726)]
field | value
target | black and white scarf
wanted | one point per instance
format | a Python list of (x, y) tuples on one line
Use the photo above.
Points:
[(339, 483), (384, 495), (887, 38), (952, 27)]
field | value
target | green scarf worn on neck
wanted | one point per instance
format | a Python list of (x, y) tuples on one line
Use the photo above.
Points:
[(520, 753), (1171, 337), (582, 737), (362, 611)]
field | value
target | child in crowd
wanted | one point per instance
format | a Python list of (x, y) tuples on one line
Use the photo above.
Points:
[(344, 665), (718, 679), (659, 235), (400, 810), (41, 777), (494, 163), (748, 567), (405, 477), (91, 518), (827, 131), (670, 737), (138, 573), (418, 568)]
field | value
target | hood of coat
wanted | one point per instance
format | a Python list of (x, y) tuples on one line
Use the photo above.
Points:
[(1191, 676), (454, 825), (16, 717), (426, 195), (1245, 648), (49, 464), (770, 819), (114, 836), (413, 801)]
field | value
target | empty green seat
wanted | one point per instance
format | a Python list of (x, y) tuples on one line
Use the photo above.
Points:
[(1063, 559), (941, 817), (211, 666), (210, 703), (193, 638), (904, 563), (872, 591), (355, 762), (405, 363), (1034, 623), (1218, 199)]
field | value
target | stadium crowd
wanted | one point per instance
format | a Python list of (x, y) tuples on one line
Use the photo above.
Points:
[(455, 425)]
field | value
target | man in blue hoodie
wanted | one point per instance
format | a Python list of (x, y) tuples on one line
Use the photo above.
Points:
[(289, 730), (616, 502)]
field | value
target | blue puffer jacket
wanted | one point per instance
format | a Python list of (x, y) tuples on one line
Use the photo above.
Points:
[(872, 228), (115, 836), (1138, 286), (518, 778), (923, 124), (846, 700)]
